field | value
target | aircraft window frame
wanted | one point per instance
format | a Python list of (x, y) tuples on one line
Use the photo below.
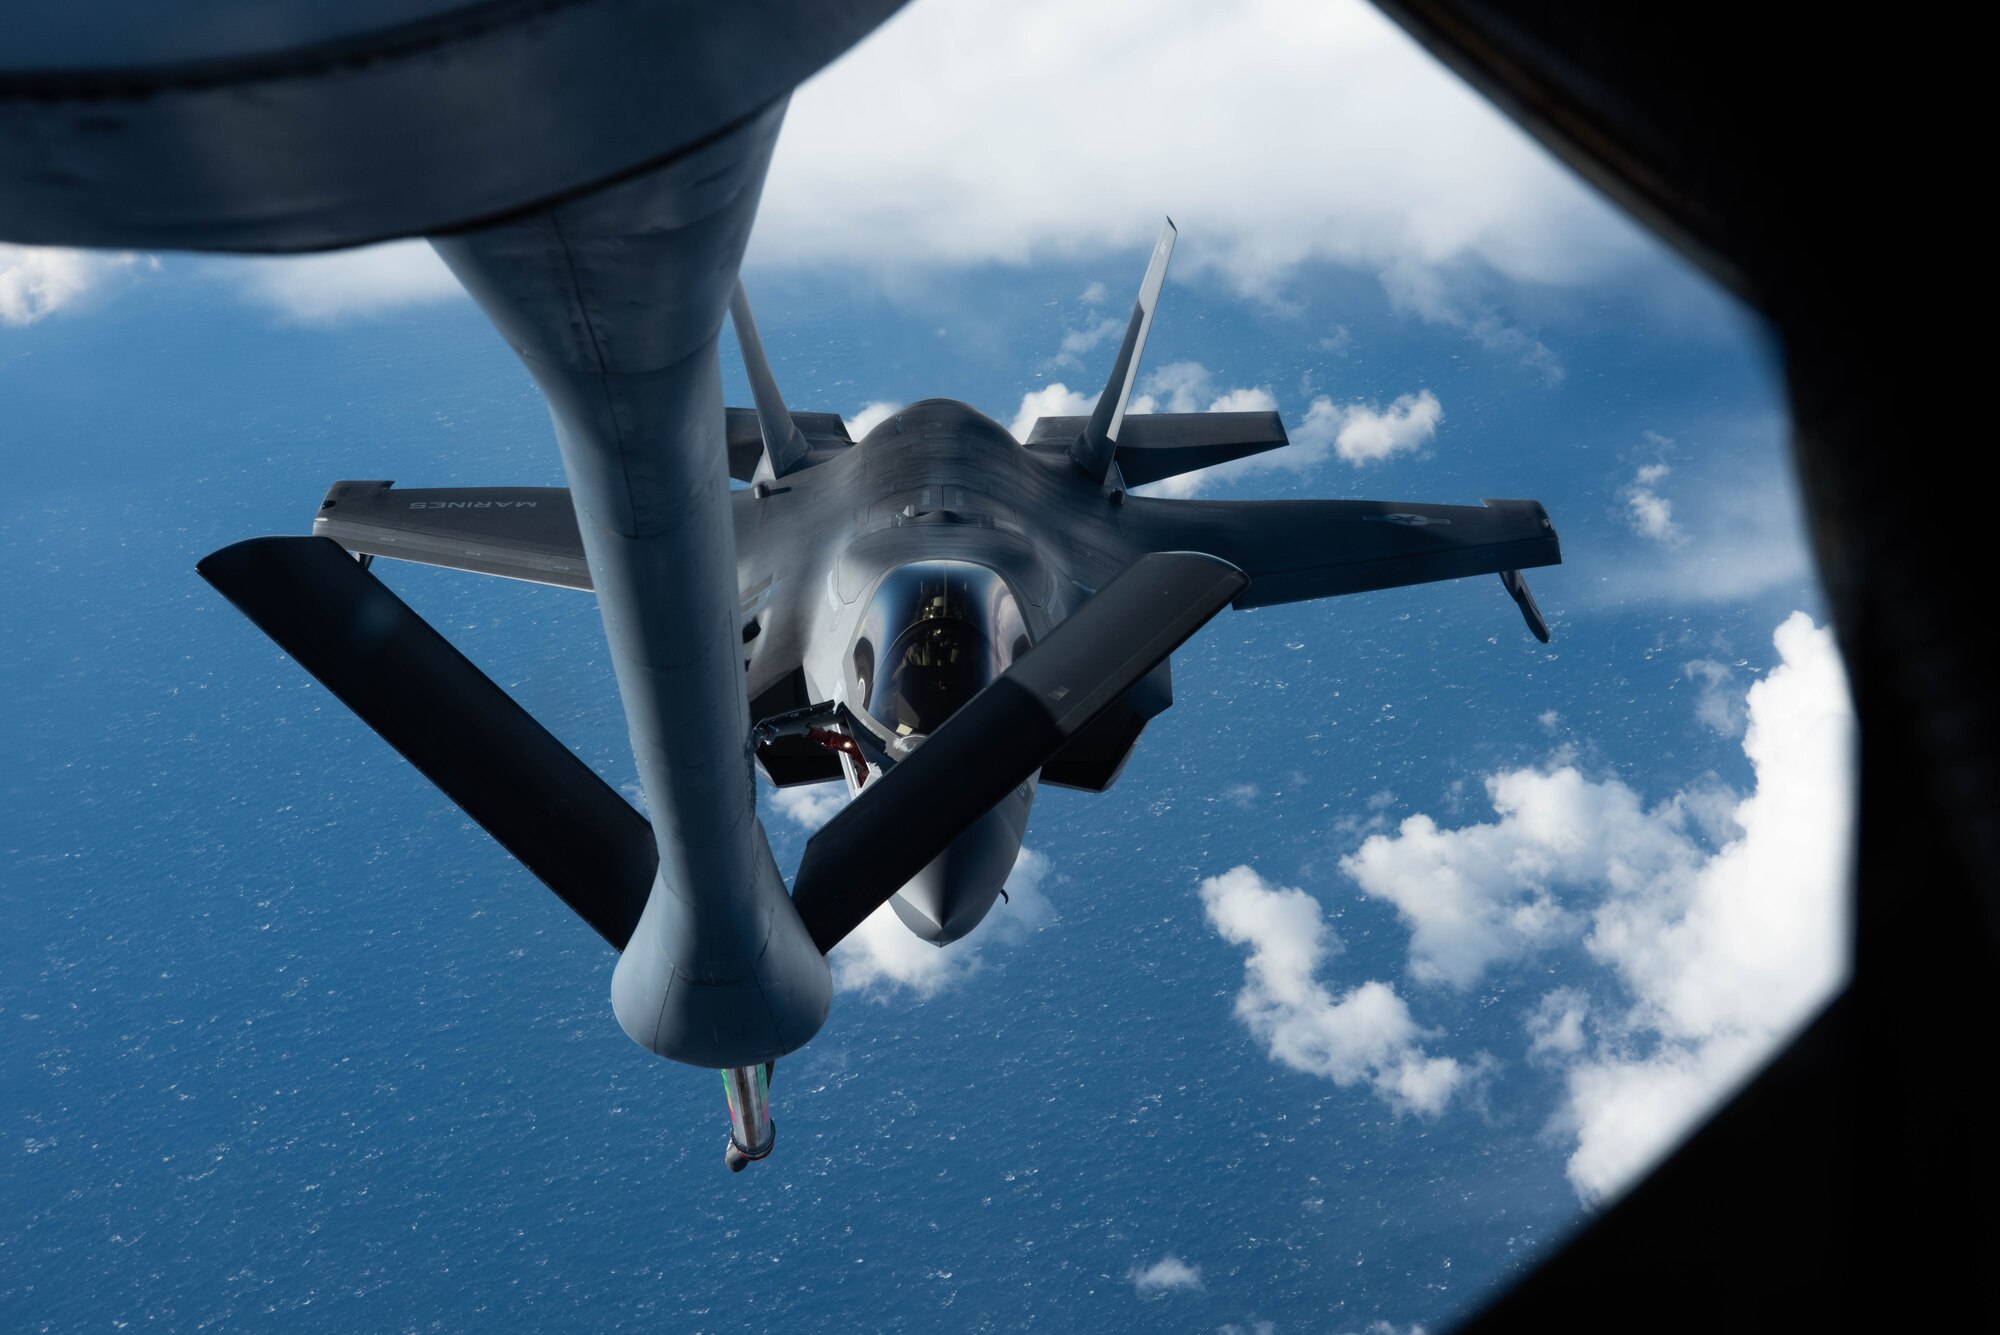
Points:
[(910, 608)]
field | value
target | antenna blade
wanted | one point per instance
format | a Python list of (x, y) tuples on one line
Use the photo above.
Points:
[(784, 447), (1094, 449)]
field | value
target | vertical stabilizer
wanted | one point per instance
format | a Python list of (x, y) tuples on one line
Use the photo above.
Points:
[(1094, 449), (784, 447)]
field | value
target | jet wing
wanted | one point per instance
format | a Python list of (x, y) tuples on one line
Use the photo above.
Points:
[(1295, 550), (526, 533)]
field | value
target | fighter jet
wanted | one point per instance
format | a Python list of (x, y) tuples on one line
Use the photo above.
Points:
[(939, 615)]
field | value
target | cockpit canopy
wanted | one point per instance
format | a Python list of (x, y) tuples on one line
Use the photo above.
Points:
[(935, 633)]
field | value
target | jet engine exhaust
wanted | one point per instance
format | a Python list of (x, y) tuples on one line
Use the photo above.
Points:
[(751, 1134)]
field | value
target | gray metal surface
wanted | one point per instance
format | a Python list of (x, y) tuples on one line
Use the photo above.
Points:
[(614, 304), (785, 448), (284, 125), (1096, 446)]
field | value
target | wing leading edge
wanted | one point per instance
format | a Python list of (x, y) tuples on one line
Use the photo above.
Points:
[(1297, 550)]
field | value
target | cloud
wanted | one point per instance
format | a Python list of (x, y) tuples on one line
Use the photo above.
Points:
[(1721, 917), (1359, 433), (1362, 433), (345, 284), (1731, 536), (1357, 147), (810, 805), (38, 281), (1365, 1037), (1485, 894), (1718, 704), (1079, 341), (1555, 1027), (1165, 1275), (872, 415), (1428, 292), (1053, 400), (1650, 514), (1188, 387), (1093, 295)]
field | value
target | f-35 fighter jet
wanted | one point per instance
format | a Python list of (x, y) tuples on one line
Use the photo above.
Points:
[(938, 614)]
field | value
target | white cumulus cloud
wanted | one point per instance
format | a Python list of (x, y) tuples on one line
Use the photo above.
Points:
[(1555, 1026), (1293, 130), (38, 281), (1364, 433), (1651, 514), (1718, 704), (345, 284), (1166, 1274), (1484, 894), (1366, 1036), (872, 415), (1721, 918), (810, 805), (1052, 400)]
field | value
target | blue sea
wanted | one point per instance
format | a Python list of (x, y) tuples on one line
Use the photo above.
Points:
[(289, 1044)]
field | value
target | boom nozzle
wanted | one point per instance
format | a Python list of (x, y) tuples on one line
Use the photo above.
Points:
[(751, 1133)]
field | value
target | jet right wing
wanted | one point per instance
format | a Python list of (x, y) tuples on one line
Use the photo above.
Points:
[(1295, 550)]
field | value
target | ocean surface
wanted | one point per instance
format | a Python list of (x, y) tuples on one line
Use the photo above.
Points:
[(287, 1043)]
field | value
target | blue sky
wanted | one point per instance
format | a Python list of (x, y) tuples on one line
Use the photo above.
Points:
[(1402, 941)]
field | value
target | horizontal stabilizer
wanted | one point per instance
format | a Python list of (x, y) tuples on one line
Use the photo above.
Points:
[(524, 533), (825, 433), (908, 816), (1152, 446), (1295, 550), (406, 681)]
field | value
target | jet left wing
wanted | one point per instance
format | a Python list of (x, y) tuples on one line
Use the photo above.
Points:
[(526, 533), (1295, 550)]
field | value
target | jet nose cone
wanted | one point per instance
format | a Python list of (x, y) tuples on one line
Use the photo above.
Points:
[(955, 892)]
